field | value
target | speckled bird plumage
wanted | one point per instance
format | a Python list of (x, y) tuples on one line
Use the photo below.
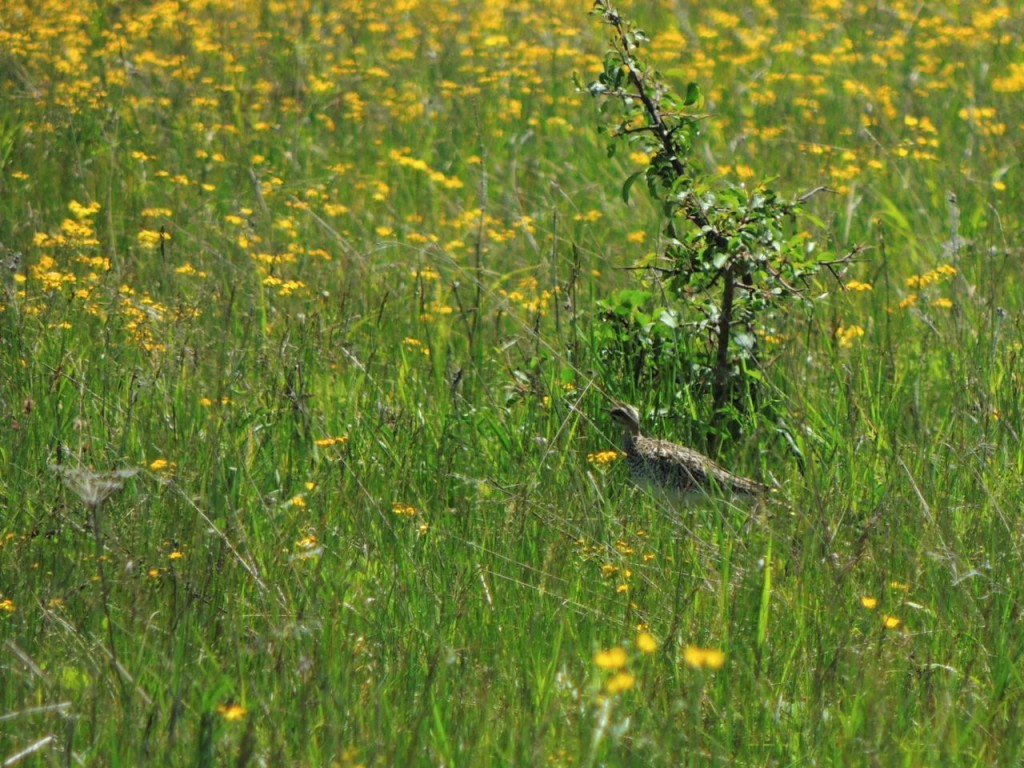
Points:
[(669, 466)]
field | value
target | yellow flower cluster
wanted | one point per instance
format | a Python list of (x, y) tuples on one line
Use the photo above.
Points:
[(528, 296), (703, 658), (923, 281), (916, 282), (327, 442), (404, 510), (848, 334), (602, 459), (403, 158), (616, 659)]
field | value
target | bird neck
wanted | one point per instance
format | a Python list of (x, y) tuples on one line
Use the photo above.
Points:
[(629, 440)]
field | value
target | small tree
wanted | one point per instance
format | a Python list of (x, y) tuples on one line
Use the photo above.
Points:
[(732, 255)]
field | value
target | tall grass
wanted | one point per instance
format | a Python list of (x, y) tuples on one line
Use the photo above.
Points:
[(330, 277)]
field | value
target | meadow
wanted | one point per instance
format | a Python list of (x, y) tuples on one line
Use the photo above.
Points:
[(305, 354)]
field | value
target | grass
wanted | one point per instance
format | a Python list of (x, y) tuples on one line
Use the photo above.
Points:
[(329, 279)]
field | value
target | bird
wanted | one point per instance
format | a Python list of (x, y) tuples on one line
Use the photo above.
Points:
[(667, 466)]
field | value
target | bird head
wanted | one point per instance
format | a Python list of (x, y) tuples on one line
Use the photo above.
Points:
[(627, 417)]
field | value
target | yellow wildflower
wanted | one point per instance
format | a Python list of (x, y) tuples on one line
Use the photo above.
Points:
[(232, 712), (612, 658), (645, 642), (603, 458), (148, 238), (619, 682), (848, 334), (703, 658)]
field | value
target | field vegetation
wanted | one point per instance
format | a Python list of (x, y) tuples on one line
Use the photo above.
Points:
[(310, 317)]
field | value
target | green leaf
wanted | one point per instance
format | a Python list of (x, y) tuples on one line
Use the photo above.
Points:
[(815, 220), (766, 598), (894, 214), (629, 184), (669, 318), (745, 340), (692, 95), (632, 297)]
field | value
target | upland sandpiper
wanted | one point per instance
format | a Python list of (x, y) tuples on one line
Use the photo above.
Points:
[(665, 465)]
